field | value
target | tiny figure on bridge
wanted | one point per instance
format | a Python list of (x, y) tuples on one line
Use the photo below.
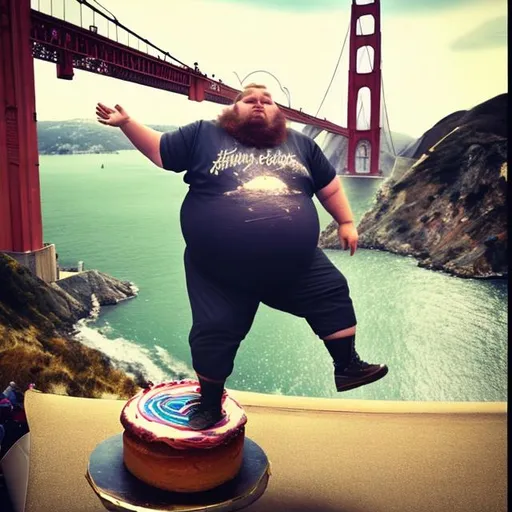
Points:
[(251, 231)]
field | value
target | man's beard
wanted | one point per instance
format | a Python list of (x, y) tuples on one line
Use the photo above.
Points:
[(254, 133)]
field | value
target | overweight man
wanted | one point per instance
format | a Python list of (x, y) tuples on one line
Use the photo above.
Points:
[(251, 231)]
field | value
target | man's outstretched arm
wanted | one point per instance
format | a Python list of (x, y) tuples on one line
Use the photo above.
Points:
[(145, 139)]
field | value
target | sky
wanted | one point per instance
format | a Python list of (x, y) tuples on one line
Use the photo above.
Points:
[(438, 56)]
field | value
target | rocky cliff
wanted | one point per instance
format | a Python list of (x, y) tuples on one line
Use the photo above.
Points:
[(36, 333), (449, 209)]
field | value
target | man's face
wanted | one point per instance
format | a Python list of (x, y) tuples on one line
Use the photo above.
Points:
[(257, 107), (255, 120)]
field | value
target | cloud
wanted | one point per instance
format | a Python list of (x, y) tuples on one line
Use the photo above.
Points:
[(433, 5), (387, 6), (289, 5), (490, 34)]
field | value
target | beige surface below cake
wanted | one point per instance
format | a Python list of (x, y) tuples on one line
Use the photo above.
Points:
[(160, 449)]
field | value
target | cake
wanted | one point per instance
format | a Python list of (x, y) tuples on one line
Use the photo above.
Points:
[(160, 449)]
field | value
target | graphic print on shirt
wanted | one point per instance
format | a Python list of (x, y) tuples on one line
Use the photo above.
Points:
[(260, 172)]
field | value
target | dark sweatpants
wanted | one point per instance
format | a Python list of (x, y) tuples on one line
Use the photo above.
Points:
[(222, 314)]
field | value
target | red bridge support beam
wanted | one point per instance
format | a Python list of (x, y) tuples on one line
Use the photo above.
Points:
[(197, 88), (361, 142), (20, 204)]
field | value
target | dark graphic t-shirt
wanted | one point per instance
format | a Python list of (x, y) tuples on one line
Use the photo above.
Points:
[(248, 209)]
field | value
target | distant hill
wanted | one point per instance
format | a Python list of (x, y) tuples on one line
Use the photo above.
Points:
[(488, 117), (83, 136), (335, 148), (77, 136)]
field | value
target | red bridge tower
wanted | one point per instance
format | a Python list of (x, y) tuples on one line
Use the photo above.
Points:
[(21, 229), (364, 145)]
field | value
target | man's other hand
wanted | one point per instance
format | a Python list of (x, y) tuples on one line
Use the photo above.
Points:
[(116, 116), (348, 236)]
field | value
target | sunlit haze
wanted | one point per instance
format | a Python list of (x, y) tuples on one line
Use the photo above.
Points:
[(434, 60)]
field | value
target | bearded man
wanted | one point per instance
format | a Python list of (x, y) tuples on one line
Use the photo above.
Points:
[(251, 231)]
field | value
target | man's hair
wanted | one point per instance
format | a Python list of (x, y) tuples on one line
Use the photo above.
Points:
[(246, 91)]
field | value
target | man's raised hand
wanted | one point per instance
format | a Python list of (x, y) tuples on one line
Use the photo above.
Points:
[(116, 116)]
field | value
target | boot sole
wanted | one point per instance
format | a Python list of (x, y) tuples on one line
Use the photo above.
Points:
[(206, 425), (362, 382)]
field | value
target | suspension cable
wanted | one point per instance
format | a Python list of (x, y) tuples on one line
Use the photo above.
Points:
[(366, 121), (385, 130), (383, 95), (386, 112), (104, 8), (371, 69), (335, 69), (117, 23), (361, 109)]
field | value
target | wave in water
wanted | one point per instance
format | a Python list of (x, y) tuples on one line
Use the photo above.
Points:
[(128, 355)]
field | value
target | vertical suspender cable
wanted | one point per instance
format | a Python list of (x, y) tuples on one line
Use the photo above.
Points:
[(387, 117), (120, 25), (367, 121), (383, 95)]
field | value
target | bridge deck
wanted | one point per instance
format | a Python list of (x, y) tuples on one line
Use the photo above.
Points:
[(70, 46)]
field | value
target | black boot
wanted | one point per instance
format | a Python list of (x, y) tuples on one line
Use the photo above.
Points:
[(350, 371), (209, 411), (358, 373)]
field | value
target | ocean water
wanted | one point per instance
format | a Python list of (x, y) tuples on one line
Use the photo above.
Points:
[(443, 338)]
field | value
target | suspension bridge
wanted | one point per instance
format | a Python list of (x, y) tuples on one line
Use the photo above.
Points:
[(42, 29)]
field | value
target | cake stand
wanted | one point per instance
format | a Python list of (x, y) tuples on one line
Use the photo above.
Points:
[(119, 490)]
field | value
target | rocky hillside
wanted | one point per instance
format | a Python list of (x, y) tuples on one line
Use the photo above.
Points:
[(449, 209), (82, 136), (36, 333)]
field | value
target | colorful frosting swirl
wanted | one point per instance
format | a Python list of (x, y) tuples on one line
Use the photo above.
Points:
[(161, 412)]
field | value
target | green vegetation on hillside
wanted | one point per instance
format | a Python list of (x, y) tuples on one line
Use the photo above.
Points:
[(83, 136), (36, 345)]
